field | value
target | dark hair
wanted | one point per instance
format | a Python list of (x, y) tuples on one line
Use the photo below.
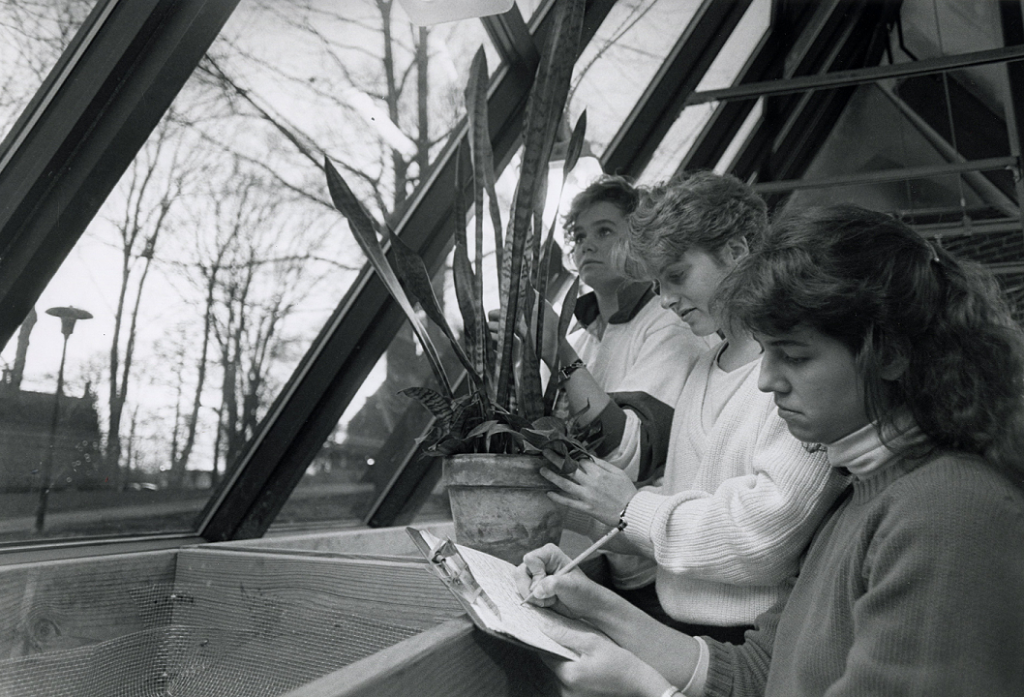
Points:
[(608, 188), (869, 281), (700, 210)]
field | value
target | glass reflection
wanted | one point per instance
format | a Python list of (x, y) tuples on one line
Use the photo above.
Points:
[(620, 61), (217, 259)]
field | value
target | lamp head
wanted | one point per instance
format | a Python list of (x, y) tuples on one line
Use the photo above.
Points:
[(68, 316)]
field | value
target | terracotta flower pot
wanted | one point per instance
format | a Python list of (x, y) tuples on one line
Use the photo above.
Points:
[(500, 505)]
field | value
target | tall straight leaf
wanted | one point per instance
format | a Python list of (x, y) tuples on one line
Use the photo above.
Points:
[(543, 113), (468, 288), (364, 229), (482, 156), (572, 156), (564, 318), (415, 278)]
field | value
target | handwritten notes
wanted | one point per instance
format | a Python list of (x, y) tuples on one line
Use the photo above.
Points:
[(499, 609)]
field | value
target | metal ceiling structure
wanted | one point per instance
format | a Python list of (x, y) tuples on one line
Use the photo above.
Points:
[(131, 59)]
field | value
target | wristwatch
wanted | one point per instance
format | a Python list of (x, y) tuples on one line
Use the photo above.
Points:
[(567, 371)]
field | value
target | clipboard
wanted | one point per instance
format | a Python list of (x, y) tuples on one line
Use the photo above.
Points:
[(485, 587)]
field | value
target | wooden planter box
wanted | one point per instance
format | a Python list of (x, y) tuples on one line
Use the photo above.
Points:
[(287, 616)]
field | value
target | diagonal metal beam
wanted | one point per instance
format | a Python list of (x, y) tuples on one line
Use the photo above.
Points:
[(803, 133), (886, 175), (803, 125), (806, 57), (510, 35), (990, 191), (847, 78), (633, 146), (1011, 17), (767, 59)]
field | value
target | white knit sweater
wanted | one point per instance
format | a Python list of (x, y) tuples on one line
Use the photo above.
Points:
[(740, 500)]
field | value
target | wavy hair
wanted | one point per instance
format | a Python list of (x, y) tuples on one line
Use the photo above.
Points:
[(700, 210), (609, 188), (869, 281)]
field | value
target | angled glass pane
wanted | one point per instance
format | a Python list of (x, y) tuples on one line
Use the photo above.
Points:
[(215, 262), (722, 73), (33, 34), (621, 60)]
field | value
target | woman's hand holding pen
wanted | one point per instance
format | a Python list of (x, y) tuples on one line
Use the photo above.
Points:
[(596, 488), (603, 668), (571, 594)]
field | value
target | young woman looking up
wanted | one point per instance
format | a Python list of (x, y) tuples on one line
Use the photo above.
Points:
[(626, 363), (715, 543), (906, 363)]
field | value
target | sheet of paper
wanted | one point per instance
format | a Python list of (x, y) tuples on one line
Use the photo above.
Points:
[(527, 623), (485, 585)]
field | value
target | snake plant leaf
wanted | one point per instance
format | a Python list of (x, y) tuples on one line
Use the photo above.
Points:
[(469, 287), (568, 308), (364, 230), (413, 275), (543, 113), (572, 156), (575, 149), (475, 330), (531, 399), (434, 401), (482, 155), (564, 318)]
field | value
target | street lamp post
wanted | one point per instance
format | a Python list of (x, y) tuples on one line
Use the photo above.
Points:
[(68, 316)]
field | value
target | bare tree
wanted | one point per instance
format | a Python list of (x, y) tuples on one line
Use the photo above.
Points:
[(153, 184)]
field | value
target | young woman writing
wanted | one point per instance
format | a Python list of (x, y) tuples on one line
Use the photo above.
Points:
[(906, 364)]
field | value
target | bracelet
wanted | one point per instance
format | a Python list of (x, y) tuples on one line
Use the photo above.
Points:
[(567, 371), (670, 691)]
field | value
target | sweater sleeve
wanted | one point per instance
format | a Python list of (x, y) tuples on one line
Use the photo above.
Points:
[(666, 352), (752, 529), (741, 670), (941, 610)]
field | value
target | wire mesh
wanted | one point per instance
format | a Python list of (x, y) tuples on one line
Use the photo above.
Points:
[(242, 625)]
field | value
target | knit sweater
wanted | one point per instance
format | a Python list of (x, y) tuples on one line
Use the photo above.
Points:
[(740, 501), (915, 586), (640, 356)]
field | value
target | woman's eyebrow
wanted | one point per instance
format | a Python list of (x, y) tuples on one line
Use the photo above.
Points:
[(785, 343)]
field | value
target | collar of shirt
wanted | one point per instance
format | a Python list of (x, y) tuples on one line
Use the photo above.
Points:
[(632, 298)]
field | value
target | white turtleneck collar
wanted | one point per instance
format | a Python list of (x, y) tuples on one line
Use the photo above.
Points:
[(863, 453)]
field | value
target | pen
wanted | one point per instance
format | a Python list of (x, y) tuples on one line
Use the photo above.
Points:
[(584, 554)]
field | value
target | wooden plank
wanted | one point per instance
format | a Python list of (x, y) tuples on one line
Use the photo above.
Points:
[(59, 605), (226, 581), (450, 660), (391, 541)]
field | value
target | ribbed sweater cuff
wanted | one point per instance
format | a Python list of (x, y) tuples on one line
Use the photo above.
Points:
[(718, 679), (639, 517)]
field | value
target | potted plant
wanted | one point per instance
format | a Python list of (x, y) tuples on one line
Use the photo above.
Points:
[(500, 430)]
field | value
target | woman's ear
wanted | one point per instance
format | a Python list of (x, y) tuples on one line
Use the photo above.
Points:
[(736, 248), (892, 366)]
